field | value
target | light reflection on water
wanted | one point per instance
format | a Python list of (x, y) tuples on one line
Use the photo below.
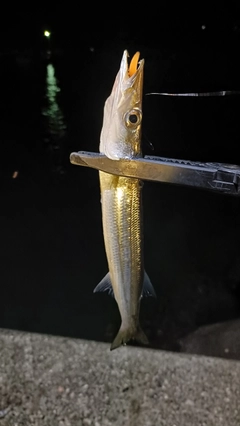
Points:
[(51, 111), (54, 124)]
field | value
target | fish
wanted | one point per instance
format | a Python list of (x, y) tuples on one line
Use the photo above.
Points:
[(121, 200)]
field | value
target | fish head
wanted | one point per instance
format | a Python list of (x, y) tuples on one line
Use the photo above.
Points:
[(122, 118)]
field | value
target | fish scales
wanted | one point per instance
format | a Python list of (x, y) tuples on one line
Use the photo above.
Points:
[(121, 199), (123, 236)]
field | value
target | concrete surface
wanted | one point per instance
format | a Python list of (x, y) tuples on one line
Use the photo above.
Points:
[(55, 381), (219, 340)]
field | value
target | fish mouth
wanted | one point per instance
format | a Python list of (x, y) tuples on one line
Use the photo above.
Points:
[(131, 76), (133, 66)]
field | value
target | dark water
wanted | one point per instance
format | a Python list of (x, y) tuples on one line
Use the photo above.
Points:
[(52, 252)]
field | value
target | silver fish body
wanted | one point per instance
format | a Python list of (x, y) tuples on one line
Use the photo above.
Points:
[(121, 200)]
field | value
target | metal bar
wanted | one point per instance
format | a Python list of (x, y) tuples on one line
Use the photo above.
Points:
[(213, 176)]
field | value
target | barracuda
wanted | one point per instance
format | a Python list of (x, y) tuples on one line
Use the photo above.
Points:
[(122, 201)]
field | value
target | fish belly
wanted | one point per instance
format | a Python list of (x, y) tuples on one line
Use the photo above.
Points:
[(121, 200)]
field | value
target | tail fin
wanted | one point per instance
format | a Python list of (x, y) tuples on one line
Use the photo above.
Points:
[(126, 334)]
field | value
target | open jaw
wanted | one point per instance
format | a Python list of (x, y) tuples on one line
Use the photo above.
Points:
[(133, 66)]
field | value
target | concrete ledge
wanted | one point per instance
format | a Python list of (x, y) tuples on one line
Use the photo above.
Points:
[(220, 340), (55, 381)]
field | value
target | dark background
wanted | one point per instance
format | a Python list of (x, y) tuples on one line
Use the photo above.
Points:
[(52, 97)]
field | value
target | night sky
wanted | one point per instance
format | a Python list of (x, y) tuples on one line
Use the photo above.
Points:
[(153, 25)]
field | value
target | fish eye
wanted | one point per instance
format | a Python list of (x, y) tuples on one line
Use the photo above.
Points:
[(133, 118)]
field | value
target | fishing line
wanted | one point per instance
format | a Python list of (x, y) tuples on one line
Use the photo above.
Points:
[(147, 142), (219, 93), (191, 94)]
